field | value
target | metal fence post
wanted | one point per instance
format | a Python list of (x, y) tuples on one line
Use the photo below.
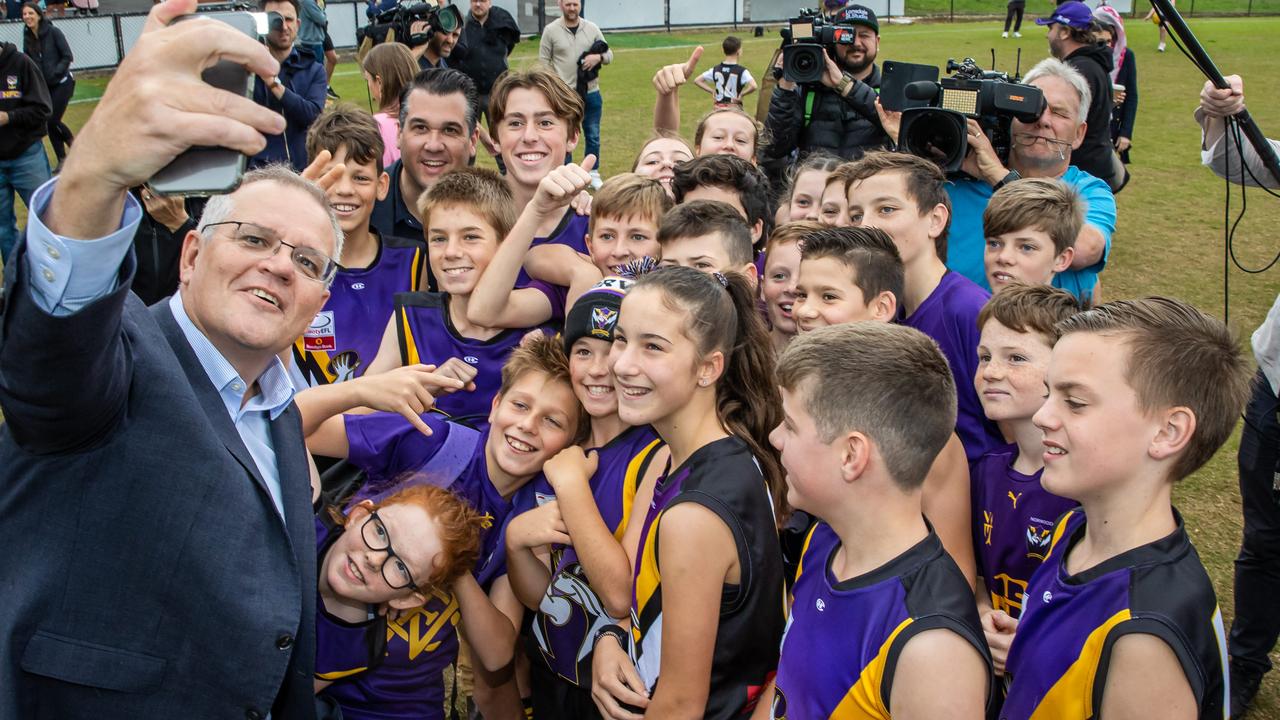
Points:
[(115, 28)]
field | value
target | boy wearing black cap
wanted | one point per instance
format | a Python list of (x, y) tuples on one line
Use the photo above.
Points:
[(841, 111)]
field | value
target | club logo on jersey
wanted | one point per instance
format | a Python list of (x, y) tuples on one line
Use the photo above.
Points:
[(357, 286), (11, 82), (1014, 499), (820, 605), (1047, 597), (421, 627), (988, 522), (321, 334), (1038, 541), (471, 360), (343, 366), (602, 321)]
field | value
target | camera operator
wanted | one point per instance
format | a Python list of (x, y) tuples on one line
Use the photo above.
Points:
[(1039, 149), (436, 51), (1073, 40), (1256, 625), (297, 92), (838, 116)]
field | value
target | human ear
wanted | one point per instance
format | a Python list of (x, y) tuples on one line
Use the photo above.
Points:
[(384, 185), (1177, 426), (710, 369), (855, 453), (884, 306), (939, 217), (191, 247), (1063, 261), (409, 601)]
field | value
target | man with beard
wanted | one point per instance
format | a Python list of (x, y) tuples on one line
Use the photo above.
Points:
[(435, 54), (1072, 39), (838, 116), (438, 134), (1040, 149), (297, 92)]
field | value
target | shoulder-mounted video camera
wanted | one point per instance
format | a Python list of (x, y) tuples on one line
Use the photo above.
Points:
[(934, 112), (805, 39), (398, 23)]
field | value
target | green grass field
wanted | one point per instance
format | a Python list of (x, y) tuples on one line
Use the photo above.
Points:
[(1170, 235)]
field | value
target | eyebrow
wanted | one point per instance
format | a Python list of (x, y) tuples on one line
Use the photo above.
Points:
[(654, 336), (1069, 386), (441, 230)]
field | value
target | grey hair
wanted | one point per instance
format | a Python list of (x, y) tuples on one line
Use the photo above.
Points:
[(220, 207), (1053, 67)]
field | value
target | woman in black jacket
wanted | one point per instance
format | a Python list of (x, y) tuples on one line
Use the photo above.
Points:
[(47, 46)]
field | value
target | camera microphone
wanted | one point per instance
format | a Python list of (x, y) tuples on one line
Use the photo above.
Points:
[(921, 90)]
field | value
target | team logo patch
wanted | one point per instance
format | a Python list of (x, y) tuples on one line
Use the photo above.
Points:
[(357, 286), (321, 334), (11, 82), (471, 360), (1038, 541), (603, 319)]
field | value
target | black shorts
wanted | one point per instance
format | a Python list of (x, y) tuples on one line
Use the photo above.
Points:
[(328, 42)]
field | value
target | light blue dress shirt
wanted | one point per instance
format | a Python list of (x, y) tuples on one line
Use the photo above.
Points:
[(65, 275)]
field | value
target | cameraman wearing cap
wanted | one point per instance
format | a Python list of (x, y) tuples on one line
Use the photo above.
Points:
[(838, 116), (1073, 40)]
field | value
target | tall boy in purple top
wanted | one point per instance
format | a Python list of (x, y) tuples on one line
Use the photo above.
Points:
[(1013, 516), (1121, 619), (905, 196)]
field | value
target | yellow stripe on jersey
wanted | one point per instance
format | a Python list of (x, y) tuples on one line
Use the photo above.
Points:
[(631, 483), (863, 701), (409, 349), (805, 551), (1071, 698), (648, 579), (339, 674), (1058, 532), (415, 270)]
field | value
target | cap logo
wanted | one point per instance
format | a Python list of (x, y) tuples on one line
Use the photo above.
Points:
[(603, 319)]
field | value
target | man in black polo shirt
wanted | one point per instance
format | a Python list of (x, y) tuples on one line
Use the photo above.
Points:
[(488, 37), (438, 134)]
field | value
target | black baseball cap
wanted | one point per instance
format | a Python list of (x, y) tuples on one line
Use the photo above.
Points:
[(857, 15)]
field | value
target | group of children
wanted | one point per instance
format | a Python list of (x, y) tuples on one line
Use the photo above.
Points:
[(686, 456)]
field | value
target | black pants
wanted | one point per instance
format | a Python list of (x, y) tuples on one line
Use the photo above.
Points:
[(1257, 582), (59, 133), (555, 698), (1008, 17)]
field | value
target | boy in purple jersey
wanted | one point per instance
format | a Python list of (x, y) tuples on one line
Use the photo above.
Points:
[(623, 228), (905, 196), (385, 611), (467, 213), (534, 117), (882, 621), (343, 338), (850, 275), (1121, 620), (587, 582), (533, 417), (708, 236), (1013, 516)]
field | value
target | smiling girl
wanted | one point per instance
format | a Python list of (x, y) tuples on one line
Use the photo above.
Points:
[(691, 358)]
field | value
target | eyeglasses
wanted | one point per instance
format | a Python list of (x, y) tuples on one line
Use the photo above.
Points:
[(313, 264), (394, 570)]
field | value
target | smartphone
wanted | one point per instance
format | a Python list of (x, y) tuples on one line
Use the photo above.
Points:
[(204, 171), (894, 81)]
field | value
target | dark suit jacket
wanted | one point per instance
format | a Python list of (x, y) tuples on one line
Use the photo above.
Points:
[(147, 573)]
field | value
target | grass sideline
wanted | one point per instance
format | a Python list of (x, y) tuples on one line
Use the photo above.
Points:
[(1170, 235)]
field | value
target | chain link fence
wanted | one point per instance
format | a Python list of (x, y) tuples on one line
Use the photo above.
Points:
[(101, 41)]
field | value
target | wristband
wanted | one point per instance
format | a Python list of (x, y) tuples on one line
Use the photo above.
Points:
[(613, 631), (1011, 177)]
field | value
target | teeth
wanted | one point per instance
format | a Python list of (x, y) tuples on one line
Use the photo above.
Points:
[(456, 271), (343, 207), (433, 163), (786, 307), (531, 157), (599, 390), (1055, 450), (266, 296), (634, 392), (521, 446), (355, 570)]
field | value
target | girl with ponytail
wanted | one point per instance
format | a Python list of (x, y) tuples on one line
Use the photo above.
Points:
[(692, 359)]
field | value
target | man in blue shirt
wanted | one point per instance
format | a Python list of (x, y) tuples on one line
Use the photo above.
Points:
[(1039, 149), (152, 458)]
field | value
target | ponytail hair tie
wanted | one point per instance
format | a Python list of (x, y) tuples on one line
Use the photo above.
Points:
[(724, 281)]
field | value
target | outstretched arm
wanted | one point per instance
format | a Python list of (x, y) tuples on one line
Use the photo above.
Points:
[(667, 81)]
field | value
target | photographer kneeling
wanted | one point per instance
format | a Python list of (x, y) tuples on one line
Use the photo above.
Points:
[(1040, 149), (838, 115)]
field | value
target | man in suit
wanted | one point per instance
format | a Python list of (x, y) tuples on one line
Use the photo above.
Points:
[(155, 503)]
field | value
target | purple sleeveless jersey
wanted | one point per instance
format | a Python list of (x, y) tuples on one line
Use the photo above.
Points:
[(950, 316), (344, 337), (571, 612), (1013, 519), (427, 336), (572, 232)]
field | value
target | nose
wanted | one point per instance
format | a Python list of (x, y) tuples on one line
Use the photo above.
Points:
[(453, 248), (1005, 255), (801, 309), (1045, 418), (620, 363), (775, 438), (991, 370)]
